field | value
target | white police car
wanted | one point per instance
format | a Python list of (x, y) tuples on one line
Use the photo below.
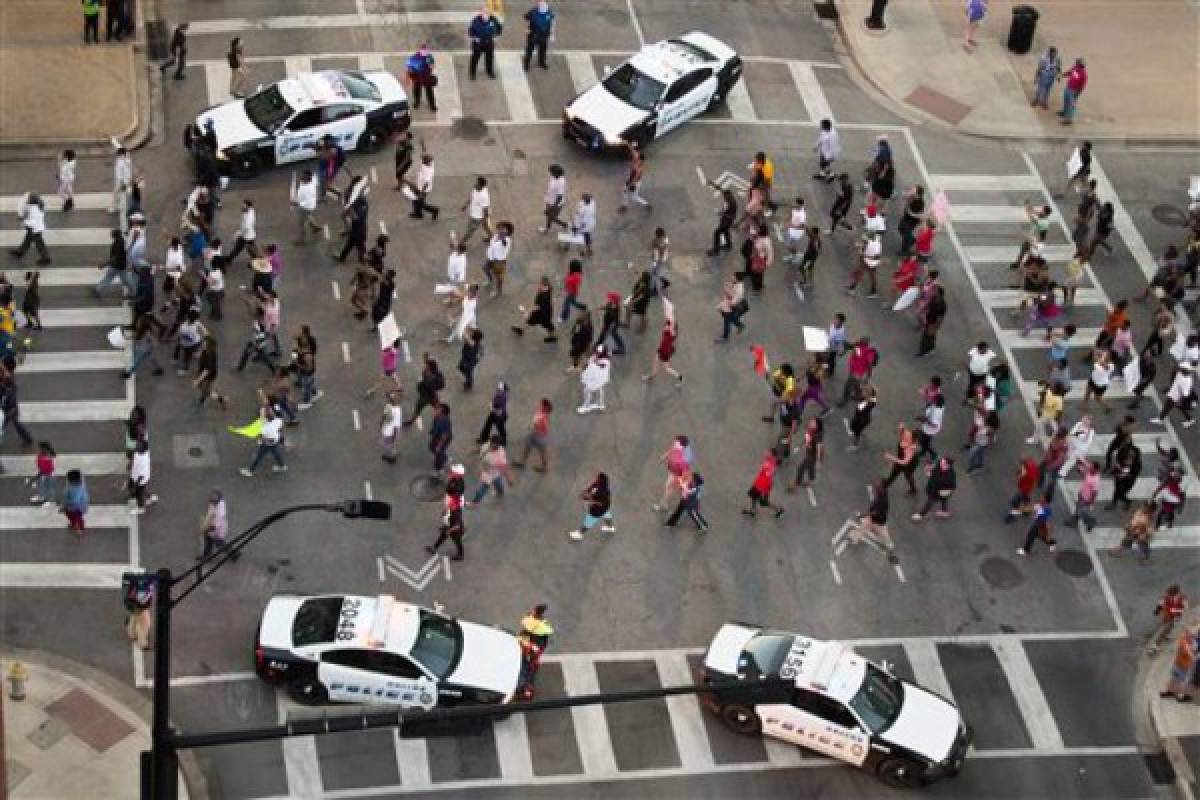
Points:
[(282, 123), (836, 703), (661, 87), (376, 650)]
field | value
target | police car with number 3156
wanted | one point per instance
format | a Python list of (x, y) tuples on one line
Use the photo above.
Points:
[(835, 702), (375, 650), (658, 89), (283, 122)]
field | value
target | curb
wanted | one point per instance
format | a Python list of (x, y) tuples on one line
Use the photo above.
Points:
[(103, 684), (1148, 703), (917, 117)]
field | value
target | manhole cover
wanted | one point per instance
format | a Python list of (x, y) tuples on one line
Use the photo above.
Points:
[(1167, 214), (427, 488), (469, 128), (195, 452), (1075, 563), (1001, 573)]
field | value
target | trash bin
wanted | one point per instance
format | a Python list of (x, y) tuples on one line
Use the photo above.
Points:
[(1024, 23)]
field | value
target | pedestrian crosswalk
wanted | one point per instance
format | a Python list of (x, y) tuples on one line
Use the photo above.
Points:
[(681, 736), (810, 104), (71, 374)]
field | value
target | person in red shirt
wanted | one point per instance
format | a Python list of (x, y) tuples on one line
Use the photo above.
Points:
[(858, 370), (760, 490), (1028, 475), (1168, 611), (923, 243), (571, 286), (664, 353), (1075, 83)]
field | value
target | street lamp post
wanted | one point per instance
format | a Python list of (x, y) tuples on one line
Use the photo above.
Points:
[(875, 20), (160, 767)]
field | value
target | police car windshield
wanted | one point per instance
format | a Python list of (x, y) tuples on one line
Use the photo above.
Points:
[(358, 87), (316, 621), (267, 109), (438, 645), (879, 699), (764, 655), (635, 88)]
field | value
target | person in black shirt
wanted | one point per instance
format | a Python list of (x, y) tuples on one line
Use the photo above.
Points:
[(611, 323), (727, 214), (914, 212), (543, 311), (841, 206), (452, 528), (428, 385), (598, 499), (178, 50), (441, 433)]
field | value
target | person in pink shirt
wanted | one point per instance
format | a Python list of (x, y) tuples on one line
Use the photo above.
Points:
[(1089, 493), (389, 380), (44, 480), (1076, 81)]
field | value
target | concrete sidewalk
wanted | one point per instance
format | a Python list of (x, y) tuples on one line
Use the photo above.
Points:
[(76, 733), (1175, 725), (1144, 72)]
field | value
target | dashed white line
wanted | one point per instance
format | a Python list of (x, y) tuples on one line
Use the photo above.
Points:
[(325, 230), (367, 490), (637, 26), (346, 352), (700, 175), (337, 291), (837, 576), (383, 227), (356, 419), (812, 497), (407, 352), (446, 567), (374, 176), (379, 566), (900, 573)]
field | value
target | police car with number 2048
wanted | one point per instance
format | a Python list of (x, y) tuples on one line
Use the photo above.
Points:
[(283, 122), (375, 650), (659, 88), (835, 702)]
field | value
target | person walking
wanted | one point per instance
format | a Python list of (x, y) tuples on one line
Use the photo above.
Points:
[(829, 150), (975, 10), (32, 212), (177, 48), (732, 307), (665, 352), (422, 79), (270, 440), (760, 489), (1170, 496), (139, 478), (482, 31), (1138, 532), (496, 265), (1086, 498), (572, 284), (582, 334), (726, 214), (610, 324), (597, 499), (238, 75), (497, 417), (594, 378), (304, 199), (214, 528), (469, 356), (423, 188), (495, 470), (938, 489), (66, 179), (905, 460), (91, 21), (1039, 528), (390, 424), (1076, 81), (813, 447), (583, 222), (467, 314), (841, 205), (542, 313), (538, 437), (677, 460), (44, 483), (247, 233), (1183, 667), (75, 502), (428, 385), (452, 528), (441, 433), (206, 375), (864, 404), (691, 485), (555, 199), (1126, 469), (1049, 68), (1180, 395), (540, 27), (1169, 611), (114, 20), (631, 193), (478, 208)]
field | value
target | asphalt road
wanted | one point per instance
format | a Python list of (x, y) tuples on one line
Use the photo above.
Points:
[(1038, 652)]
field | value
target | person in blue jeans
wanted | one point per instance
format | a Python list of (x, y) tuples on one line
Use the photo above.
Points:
[(270, 440), (571, 286), (1049, 68)]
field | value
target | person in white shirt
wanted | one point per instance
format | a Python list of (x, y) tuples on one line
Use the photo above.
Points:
[(497, 257), (828, 148), (424, 186), (33, 215), (122, 180), (584, 221), (479, 209), (139, 478), (247, 235), (389, 426), (555, 198), (979, 360), (456, 262), (1079, 441), (305, 201), (869, 257), (66, 179), (1180, 395), (796, 231), (466, 318), (270, 440), (1101, 376), (595, 377)]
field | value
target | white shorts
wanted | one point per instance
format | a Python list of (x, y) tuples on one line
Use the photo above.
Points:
[(795, 234)]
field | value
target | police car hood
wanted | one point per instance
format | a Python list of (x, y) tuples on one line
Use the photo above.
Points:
[(725, 650), (231, 123), (491, 659), (927, 724), (605, 112), (390, 90), (275, 631)]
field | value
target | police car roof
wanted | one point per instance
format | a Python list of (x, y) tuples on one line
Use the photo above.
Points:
[(667, 60), (393, 625), (310, 89), (828, 667)]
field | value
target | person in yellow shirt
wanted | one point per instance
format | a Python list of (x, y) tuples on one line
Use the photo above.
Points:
[(762, 176), (534, 638), (1050, 410)]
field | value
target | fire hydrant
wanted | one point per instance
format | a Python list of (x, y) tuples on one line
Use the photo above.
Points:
[(17, 675)]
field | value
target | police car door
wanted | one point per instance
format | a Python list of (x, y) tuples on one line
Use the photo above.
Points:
[(297, 139), (819, 723), (687, 97), (359, 675), (345, 122)]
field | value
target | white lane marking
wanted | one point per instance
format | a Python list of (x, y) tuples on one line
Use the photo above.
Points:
[(899, 573), (615, 54), (1143, 487), (216, 80), (1022, 680), (337, 290), (687, 721), (700, 175), (75, 411), (78, 361), (512, 747), (367, 490), (1005, 253), (986, 183), (449, 99), (927, 667), (516, 87), (591, 726), (380, 569), (346, 352), (375, 178), (294, 65), (446, 568), (84, 201), (741, 107), (1011, 339), (24, 520), (42, 575), (300, 764), (1179, 536), (582, 69), (204, 680), (811, 93), (407, 351), (637, 26), (383, 227), (61, 276), (356, 419), (371, 62), (420, 424), (101, 316), (412, 756), (87, 463), (325, 231), (1116, 389), (1011, 298), (837, 575), (812, 497), (206, 27), (57, 237), (999, 214)]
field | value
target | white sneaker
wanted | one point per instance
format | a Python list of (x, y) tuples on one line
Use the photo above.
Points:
[(608, 528), (542, 229), (138, 511), (303, 406), (1156, 420), (245, 471), (1187, 423), (583, 409), (321, 392), (656, 507), (1031, 440), (278, 468), (1020, 551), (576, 535)]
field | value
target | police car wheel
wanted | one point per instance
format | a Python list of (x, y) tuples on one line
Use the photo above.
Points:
[(247, 165), (717, 98), (372, 139), (308, 691), (741, 719), (898, 773)]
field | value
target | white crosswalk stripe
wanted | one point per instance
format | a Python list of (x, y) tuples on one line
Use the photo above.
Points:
[(986, 183), (1006, 253), (1031, 700), (811, 93), (582, 69), (22, 519), (98, 316), (1013, 340), (1012, 215), (740, 105), (75, 410), (516, 87), (1178, 536), (84, 201), (75, 361), (87, 463), (213, 27), (59, 237), (60, 276), (40, 575), (1011, 298)]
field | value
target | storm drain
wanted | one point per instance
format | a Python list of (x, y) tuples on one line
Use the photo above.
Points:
[(1075, 563)]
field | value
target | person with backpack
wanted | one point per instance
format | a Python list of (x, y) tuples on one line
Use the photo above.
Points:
[(419, 68)]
